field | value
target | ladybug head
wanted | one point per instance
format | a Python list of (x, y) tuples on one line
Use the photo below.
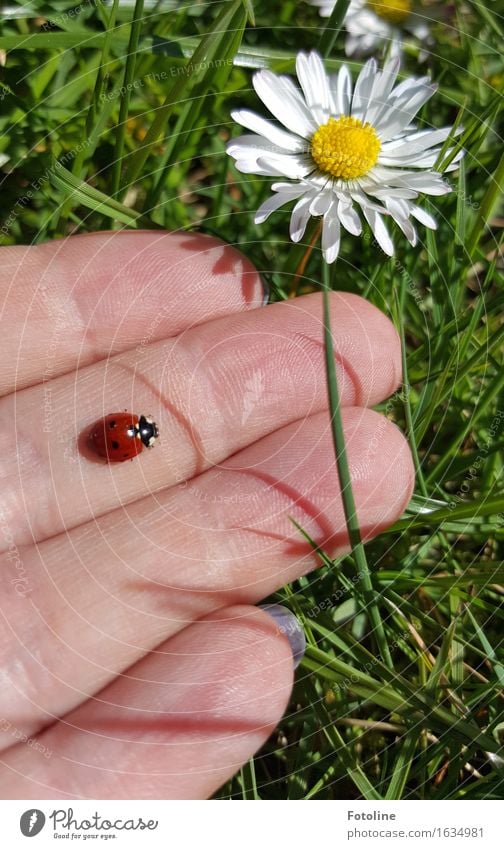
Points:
[(147, 430)]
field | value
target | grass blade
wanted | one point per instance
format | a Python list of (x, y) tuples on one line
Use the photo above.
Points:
[(199, 69), (332, 27), (129, 73)]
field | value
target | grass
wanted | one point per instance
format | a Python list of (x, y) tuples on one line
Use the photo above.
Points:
[(132, 100)]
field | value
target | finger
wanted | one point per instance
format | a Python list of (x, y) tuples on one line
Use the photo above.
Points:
[(212, 391), (88, 604), (176, 726), (81, 299)]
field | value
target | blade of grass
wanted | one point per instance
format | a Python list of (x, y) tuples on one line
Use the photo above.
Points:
[(92, 198), (453, 446), (353, 769), (190, 113), (492, 506), (493, 193), (249, 781), (410, 432), (487, 647), (97, 114), (199, 69), (402, 766), (333, 27), (129, 73)]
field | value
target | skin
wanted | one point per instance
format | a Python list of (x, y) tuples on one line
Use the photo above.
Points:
[(134, 662)]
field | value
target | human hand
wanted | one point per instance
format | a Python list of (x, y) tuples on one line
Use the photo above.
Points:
[(134, 662)]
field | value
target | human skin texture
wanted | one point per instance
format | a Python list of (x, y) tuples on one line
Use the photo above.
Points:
[(134, 661)]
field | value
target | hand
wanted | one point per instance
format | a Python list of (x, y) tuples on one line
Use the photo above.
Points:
[(134, 663)]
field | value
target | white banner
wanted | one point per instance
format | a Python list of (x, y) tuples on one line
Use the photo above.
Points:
[(245, 825)]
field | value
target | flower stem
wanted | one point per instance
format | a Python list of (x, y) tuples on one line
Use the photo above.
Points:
[(351, 519), (300, 269)]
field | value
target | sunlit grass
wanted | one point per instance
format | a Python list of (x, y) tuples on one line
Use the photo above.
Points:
[(133, 101)]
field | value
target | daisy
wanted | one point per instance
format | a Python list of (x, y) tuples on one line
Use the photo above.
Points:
[(343, 151), (370, 25)]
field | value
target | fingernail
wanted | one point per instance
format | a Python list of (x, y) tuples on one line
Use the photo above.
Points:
[(289, 625)]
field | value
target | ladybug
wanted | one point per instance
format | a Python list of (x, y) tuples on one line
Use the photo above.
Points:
[(121, 436)]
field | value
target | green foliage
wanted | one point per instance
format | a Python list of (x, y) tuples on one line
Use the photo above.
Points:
[(114, 118)]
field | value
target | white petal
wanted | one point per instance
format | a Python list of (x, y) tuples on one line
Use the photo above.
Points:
[(287, 165), (341, 91), (399, 211), (251, 121), (379, 229), (331, 234), (299, 218), (367, 23), (349, 218), (361, 44), (409, 84), (424, 217), (363, 86), (428, 182), (384, 192), (366, 202), (313, 80), (455, 164), (397, 207), (274, 202), (252, 147), (414, 143), (285, 102), (408, 230), (382, 86), (321, 203), (289, 188), (393, 121), (250, 166)]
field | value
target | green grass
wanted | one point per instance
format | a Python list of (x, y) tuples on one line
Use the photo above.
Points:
[(133, 101)]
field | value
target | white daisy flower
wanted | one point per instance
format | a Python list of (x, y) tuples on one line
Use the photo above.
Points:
[(370, 25), (343, 151)]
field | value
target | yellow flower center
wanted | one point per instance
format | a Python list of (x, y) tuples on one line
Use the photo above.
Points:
[(393, 11), (345, 147)]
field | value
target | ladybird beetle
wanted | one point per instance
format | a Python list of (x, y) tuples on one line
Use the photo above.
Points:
[(121, 436)]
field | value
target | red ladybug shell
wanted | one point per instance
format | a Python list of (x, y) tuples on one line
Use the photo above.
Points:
[(115, 437)]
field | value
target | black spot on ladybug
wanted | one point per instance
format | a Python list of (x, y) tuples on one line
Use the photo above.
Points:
[(113, 424), (115, 445)]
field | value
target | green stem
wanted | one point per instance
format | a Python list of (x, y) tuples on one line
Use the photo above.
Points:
[(347, 496)]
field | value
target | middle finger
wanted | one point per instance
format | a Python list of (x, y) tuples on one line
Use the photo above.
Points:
[(212, 391)]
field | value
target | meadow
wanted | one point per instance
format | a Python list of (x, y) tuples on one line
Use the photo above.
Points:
[(118, 115)]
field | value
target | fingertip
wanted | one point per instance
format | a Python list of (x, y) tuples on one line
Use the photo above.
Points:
[(260, 646), (379, 336), (90, 296), (189, 264)]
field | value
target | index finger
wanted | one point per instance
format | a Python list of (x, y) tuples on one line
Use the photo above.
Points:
[(72, 302)]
